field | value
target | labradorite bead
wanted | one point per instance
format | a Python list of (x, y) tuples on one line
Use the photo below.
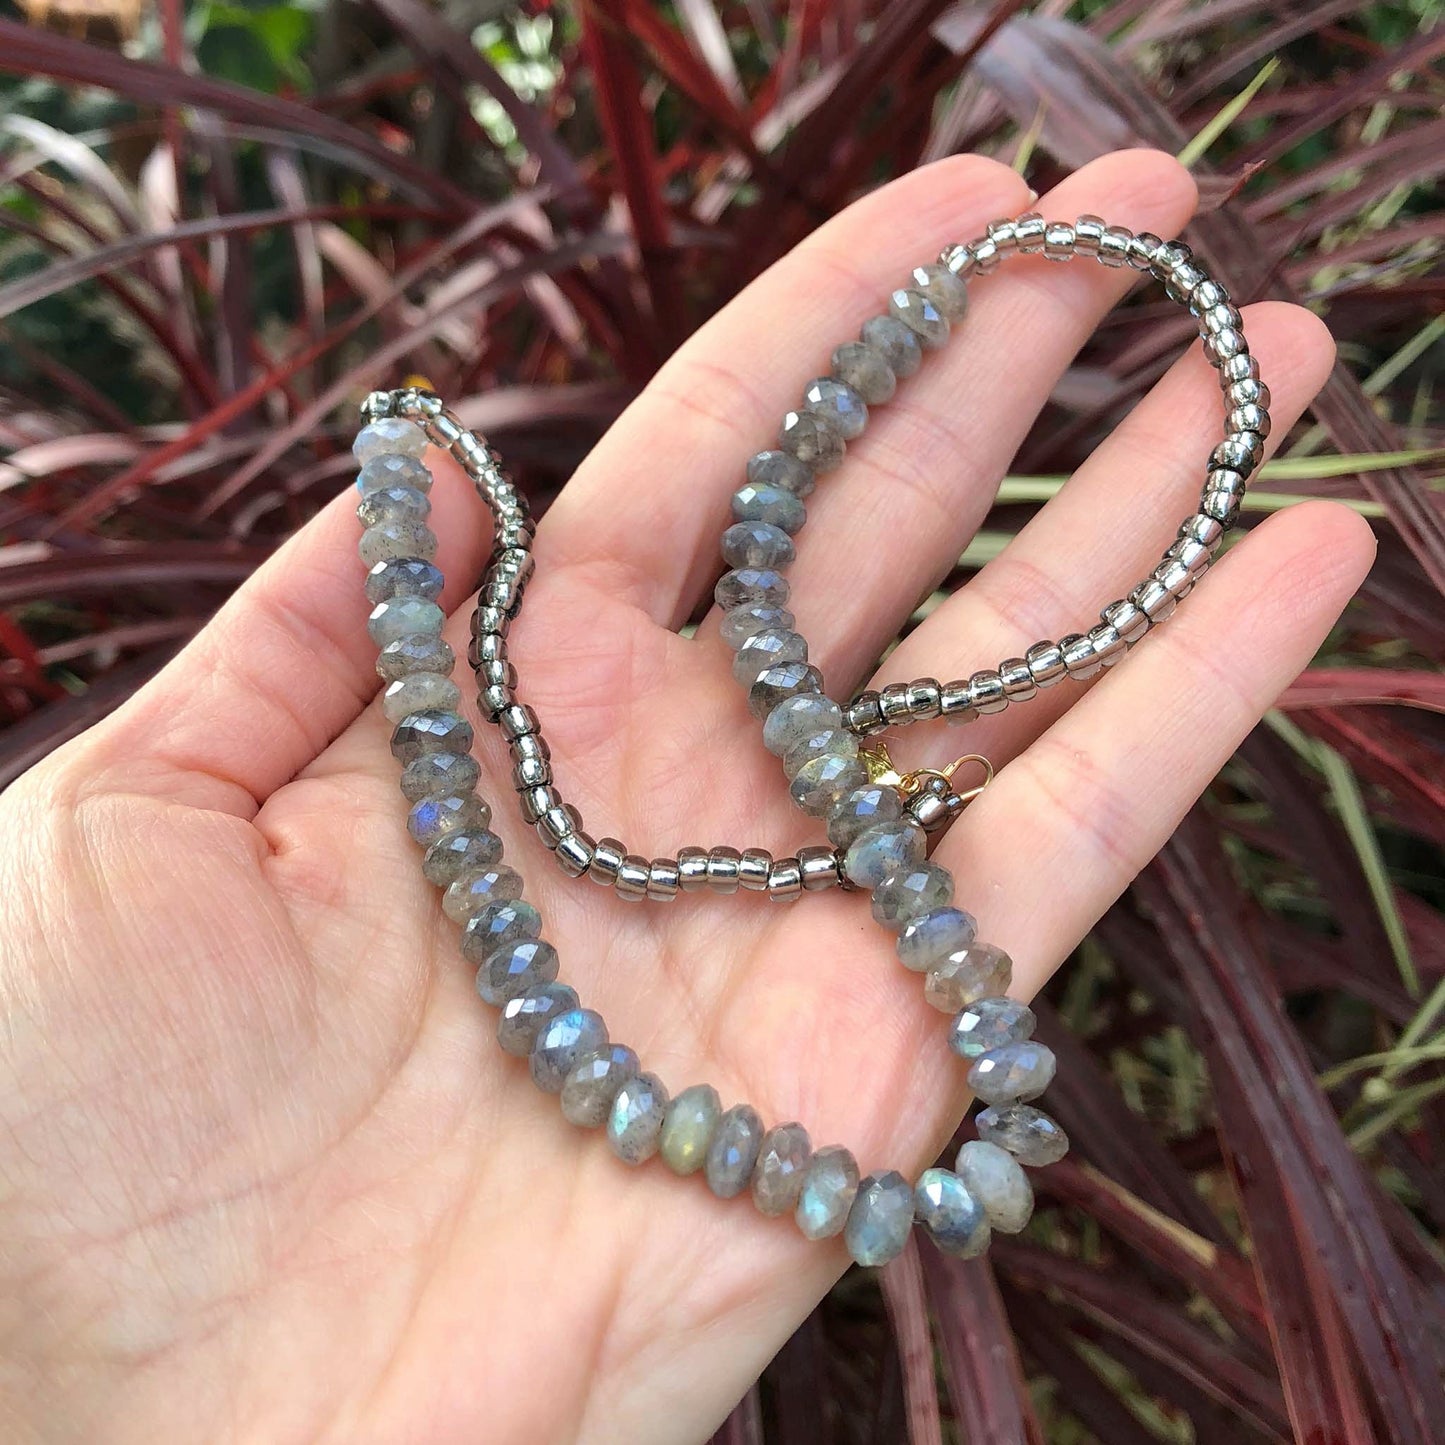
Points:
[(921, 316), (838, 404), (514, 968), (865, 370), (430, 731), (403, 577), (759, 502), (393, 504), (786, 679), (821, 780), (401, 616), (688, 1128), (522, 1017), (910, 892), (966, 975), (1029, 1134), (421, 652), (990, 1023), (743, 622), (757, 544), (778, 1174), (795, 719), (634, 1121), (766, 649), (396, 539), (417, 692), (812, 439), (751, 586), (895, 343), (394, 470), (944, 289), (561, 1042), (780, 469), (830, 1183), (956, 1221), (834, 742), (470, 892), (1014, 1073), (445, 861), (388, 436), (590, 1088), (879, 1221), (436, 774), (496, 924), (995, 1179), (733, 1153), (882, 849), (862, 808), (431, 819), (930, 937)]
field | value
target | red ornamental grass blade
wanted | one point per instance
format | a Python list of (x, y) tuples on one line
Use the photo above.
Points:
[(908, 1312)]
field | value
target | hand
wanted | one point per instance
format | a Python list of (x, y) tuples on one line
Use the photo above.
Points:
[(265, 1175)]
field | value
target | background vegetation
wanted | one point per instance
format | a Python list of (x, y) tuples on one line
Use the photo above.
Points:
[(221, 225)]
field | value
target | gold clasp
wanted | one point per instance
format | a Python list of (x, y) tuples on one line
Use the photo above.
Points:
[(882, 769)]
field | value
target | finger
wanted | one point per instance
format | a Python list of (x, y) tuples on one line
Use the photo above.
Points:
[(1078, 814), (886, 527), (282, 668), (644, 511), (1105, 529)]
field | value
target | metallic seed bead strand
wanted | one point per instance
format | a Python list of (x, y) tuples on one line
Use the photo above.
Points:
[(634, 878)]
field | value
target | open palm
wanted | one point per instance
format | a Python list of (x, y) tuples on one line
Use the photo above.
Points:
[(265, 1176)]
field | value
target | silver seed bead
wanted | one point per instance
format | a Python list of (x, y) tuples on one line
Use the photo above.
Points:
[(497, 674), (985, 692), (691, 869), (1127, 619), (530, 747), (1220, 318), (1018, 679), (632, 878), (935, 806), (518, 721), (1221, 346), (1175, 576), (1206, 294), (531, 773), (574, 854), (863, 715), (723, 869), (377, 405), (753, 869), (893, 702), (1248, 418), (1203, 529), (818, 868), (785, 880), (955, 703), (535, 802), (1221, 505), (663, 881), (1003, 235), (1237, 453), (983, 256), (1182, 281), (1242, 367), (1114, 246), (1046, 663), (1143, 247), (1249, 392), (607, 860), (1079, 657), (1106, 643), (558, 823), (490, 619), (1088, 235), (923, 700), (1029, 230), (489, 647), (1155, 600), (1059, 241)]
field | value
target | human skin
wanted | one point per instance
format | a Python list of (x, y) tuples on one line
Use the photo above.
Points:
[(265, 1175)]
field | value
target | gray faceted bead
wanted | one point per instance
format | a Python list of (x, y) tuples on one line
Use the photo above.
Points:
[(472, 891), (895, 343), (838, 404), (812, 439), (757, 544), (404, 577), (388, 436), (418, 691), (921, 315), (968, 974), (786, 679), (439, 774), (767, 649), (514, 968), (994, 1178), (882, 849), (733, 1152), (795, 719), (778, 1174), (1030, 1135), (396, 539), (394, 470), (635, 1120), (430, 731), (522, 1017), (402, 616), (944, 289), (819, 782), (393, 504), (777, 506), (879, 1221), (911, 891), (744, 622), (830, 1183), (420, 652), (562, 1041), (1014, 1073), (431, 819), (591, 1087), (497, 924), (457, 853), (990, 1023), (835, 742), (930, 937), (865, 370), (751, 586), (955, 1220), (863, 808), (781, 469), (688, 1128)]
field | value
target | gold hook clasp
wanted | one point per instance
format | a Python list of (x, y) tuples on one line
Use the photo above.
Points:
[(882, 769)]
